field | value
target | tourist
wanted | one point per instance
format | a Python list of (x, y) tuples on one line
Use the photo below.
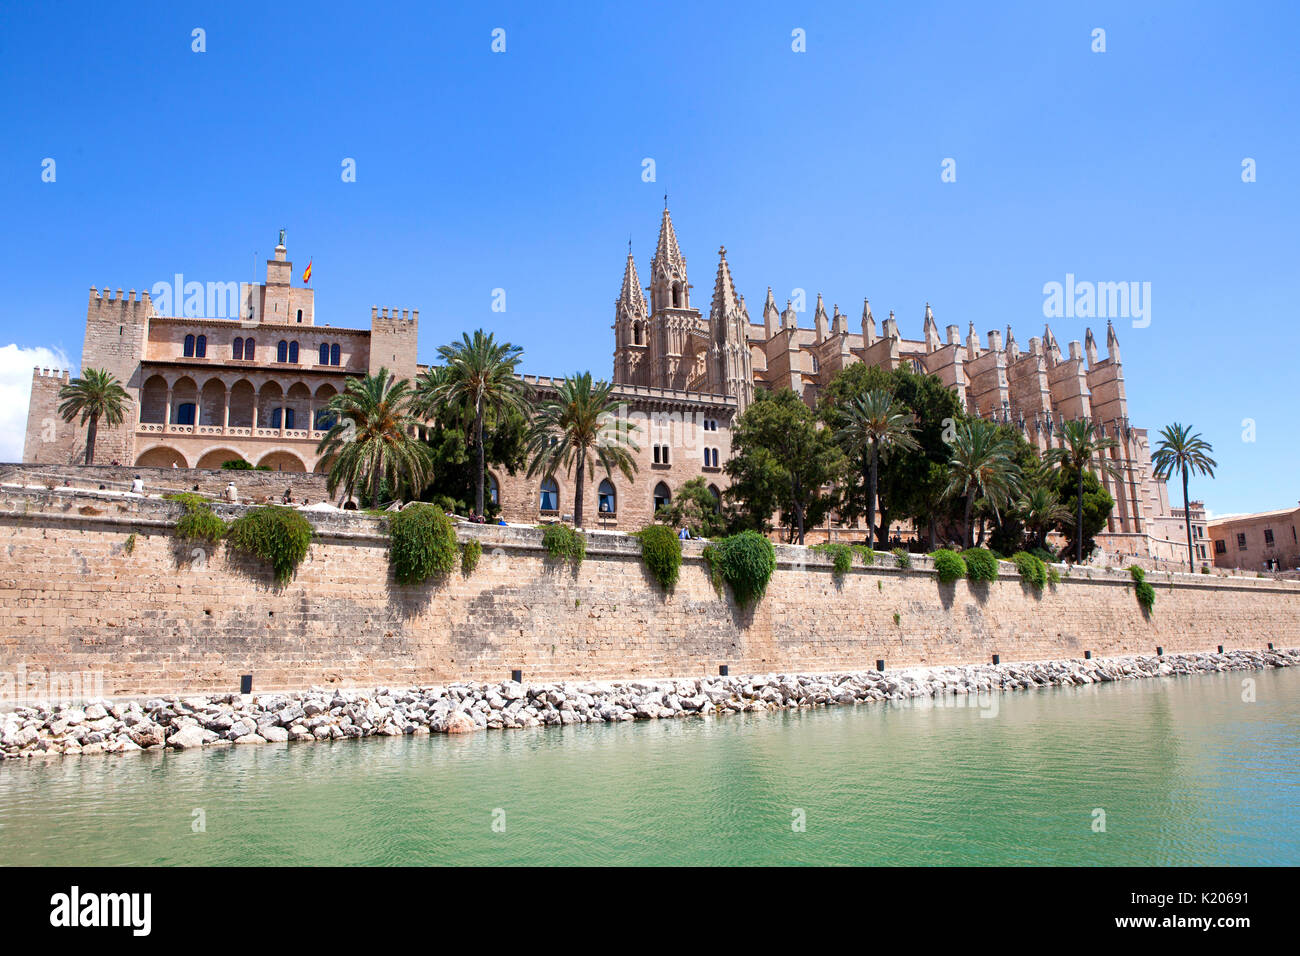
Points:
[(137, 485), (685, 533), (232, 494), (501, 522)]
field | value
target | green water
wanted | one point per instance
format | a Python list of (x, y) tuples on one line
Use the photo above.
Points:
[(1186, 772)]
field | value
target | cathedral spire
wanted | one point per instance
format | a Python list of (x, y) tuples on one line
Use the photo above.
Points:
[(630, 297), (724, 290), (667, 252), (771, 315), (669, 287), (868, 324)]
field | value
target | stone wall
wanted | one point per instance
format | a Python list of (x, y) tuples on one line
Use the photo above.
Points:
[(78, 593), (252, 485)]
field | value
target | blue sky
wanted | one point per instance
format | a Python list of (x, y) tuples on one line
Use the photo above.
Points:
[(818, 170)]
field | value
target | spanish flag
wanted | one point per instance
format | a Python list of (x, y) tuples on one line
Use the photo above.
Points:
[(306, 273)]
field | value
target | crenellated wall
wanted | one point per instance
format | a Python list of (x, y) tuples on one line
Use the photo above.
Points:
[(78, 593)]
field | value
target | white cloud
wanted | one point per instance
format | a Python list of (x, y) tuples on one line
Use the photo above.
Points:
[(16, 366)]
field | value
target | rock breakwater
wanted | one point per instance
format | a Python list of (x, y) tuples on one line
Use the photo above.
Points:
[(179, 722)]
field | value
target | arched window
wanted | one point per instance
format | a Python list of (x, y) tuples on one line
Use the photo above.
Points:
[(550, 499), (293, 352), (493, 489), (324, 420), (606, 499), (334, 354), (288, 418), (282, 351), (237, 350), (717, 497), (324, 354), (636, 333), (189, 347), (279, 415), (201, 347), (677, 295), (662, 495), (185, 413), (300, 315), (250, 347)]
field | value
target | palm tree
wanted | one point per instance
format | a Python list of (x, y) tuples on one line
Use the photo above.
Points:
[(96, 394), (574, 429), (480, 373), (1181, 450), (1041, 510), (373, 437), (874, 424), (1082, 441), (982, 466)]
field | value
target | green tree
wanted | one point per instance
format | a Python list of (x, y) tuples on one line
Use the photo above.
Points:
[(904, 487), (450, 432), (982, 467), (694, 506), (781, 460), (1096, 506), (1040, 511), (373, 439), (479, 374), (874, 424), (577, 430), (1080, 443), (94, 395), (1184, 451)]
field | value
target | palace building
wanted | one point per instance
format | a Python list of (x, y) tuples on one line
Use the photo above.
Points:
[(208, 390)]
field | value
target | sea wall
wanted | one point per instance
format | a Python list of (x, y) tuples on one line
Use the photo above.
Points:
[(252, 485), (95, 583)]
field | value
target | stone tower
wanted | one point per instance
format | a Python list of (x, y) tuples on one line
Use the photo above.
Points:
[(671, 317), (631, 329), (730, 365)]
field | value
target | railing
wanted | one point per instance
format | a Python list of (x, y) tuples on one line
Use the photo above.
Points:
[(235, 431)]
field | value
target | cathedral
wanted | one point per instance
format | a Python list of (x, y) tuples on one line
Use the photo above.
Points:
[(664, 342)]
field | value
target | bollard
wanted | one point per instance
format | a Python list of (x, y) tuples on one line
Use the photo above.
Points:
[(1087, 655), (517, 676), (246, 684), (997, 659), (1160, 652), (722, 670), (880, 666)]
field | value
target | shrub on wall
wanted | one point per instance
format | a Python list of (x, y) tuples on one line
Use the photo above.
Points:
[(470, 552), (841, 555), (561, 541), (866, 554), (661, 550), (981, 564), (746, 562), (903, 558), (1031, 569), (1146, 594), (949, 565), (276, 534), (199, 522), (422, 543)]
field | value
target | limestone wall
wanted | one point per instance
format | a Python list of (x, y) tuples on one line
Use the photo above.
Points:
[(155, 615)]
